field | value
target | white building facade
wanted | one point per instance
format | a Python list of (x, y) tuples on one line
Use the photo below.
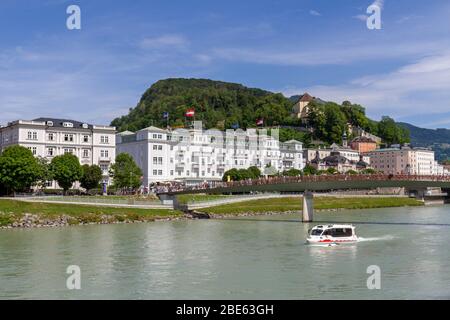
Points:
[(48, 138), (405, 160), (195, 156)]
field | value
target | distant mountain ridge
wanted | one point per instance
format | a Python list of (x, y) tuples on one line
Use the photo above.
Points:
[(425, 137)]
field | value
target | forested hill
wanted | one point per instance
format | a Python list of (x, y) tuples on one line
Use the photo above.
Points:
[(226, 105), (426, 137), (216, 103)]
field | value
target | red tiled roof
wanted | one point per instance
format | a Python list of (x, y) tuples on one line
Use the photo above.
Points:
[(363, 139), (306, 98)]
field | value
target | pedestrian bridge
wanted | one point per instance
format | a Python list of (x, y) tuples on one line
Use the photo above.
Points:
[(307, 184)]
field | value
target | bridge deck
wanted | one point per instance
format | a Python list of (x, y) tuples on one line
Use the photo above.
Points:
[(320, 183)]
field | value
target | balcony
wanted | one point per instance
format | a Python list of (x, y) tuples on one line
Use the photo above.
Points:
[(104, 159)]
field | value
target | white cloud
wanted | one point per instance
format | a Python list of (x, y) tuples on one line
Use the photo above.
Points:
[(422, 87), (361, 17), (315, 13), (325, 55)]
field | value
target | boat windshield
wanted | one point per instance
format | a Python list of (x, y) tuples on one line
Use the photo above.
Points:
[(316, 232), (340, 232)]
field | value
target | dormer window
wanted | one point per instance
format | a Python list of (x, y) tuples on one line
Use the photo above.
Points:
[(67, 124), (85, 126), (50, 123)]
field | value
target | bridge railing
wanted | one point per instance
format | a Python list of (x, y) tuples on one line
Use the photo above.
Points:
[(309, 178)]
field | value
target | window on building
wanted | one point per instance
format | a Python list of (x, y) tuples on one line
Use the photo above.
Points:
[(160, 173), (104, 153), (155, 172), (68, 137), (67, 150), (51, 137), (85, 139), (50, 152), (104, 139), (86, 153), (32, 135)]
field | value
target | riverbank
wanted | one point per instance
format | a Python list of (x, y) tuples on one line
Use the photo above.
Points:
[(294, 204), (21, 214)]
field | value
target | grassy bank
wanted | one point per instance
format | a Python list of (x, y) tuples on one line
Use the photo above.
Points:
[(12, 211), (190, 198), (320, 203)]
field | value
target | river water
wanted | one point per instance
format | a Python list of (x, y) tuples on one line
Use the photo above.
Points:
[(242, 258)]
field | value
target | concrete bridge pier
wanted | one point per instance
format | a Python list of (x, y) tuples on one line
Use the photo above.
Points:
[(446, 198), (308, 207)]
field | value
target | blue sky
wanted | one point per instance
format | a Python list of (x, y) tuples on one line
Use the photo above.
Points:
[(323, 47)]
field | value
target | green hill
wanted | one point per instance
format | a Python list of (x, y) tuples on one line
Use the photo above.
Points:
[(226, 105), (437, 139), (425, 137), (216, 103)]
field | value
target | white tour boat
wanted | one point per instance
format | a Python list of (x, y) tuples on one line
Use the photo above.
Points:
[(332, 234)]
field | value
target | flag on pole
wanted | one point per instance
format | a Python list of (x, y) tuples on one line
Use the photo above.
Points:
[(190, 113), (260, 122), (165, 115)]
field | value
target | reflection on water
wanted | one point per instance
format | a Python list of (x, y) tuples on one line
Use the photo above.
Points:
[(241, 258)]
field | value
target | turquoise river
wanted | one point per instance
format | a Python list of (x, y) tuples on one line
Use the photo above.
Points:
[(261, 257)]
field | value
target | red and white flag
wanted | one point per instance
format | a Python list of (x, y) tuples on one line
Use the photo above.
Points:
[(260, 122), (190, 113)]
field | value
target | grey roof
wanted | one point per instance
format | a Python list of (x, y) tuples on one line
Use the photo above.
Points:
[(293, 141), (59, 122), (153, 129), (126, 133), (334, 159)]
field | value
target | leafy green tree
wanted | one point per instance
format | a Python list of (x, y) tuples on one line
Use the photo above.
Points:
[(355, 114), (336, 123), (92, 175), (125, 172), (66, 170), (19, 169), (233, 175), (45, 172), (351, 172), (292, 173), (287, 134), (254, 172), (388, 130), (309, 170)]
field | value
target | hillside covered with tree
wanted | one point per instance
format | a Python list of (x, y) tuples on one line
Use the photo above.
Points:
[(225, 105)]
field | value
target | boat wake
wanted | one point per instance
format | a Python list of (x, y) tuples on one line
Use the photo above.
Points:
[(385, 238)]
